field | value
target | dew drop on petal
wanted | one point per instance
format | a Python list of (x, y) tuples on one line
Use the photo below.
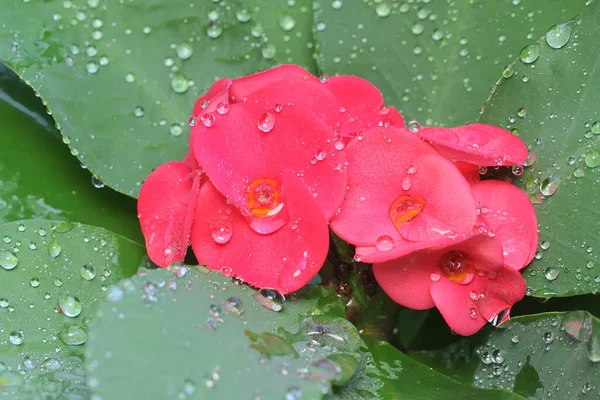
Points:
[(266, 122), (384, 243)]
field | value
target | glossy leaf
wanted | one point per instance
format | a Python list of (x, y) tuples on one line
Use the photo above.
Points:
[(53, 274), (551, 101), (194, 333), (38, 176), (434, 60), (553, 355), (121, 78), (393, 375)]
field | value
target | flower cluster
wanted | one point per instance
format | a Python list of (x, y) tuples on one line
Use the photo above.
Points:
[(277, 157)]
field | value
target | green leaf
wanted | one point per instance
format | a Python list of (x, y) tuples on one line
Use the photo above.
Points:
[(552, 103), (52, 275), (434, 60), (552, 355), (195, 334), (38, 176), (81, 55), (390, 374)]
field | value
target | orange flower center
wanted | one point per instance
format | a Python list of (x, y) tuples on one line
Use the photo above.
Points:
[(457, 266), (405, 208), (263, 198)]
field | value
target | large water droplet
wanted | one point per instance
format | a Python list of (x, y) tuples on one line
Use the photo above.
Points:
[(73, 335), (383, 10), (16, 338), (87, 272), (384, 243), (287, 23), (54, 249), (592, 159), (179, 83), (69, 305), (270, 299), (184, 51), (551, 273), (558, 36), (221, 233), (234, 305), (8, 260), (530, 53), (578, 325), (266, 122), (549, 186)]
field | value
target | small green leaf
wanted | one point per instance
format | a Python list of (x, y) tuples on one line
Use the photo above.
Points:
[(542, 356), (434, 60), (46, 304), (121, 77), (552, 104), (173, 333)]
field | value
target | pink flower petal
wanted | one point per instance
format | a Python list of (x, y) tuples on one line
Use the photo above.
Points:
[(235, 152), (245, 86), (509, 214), (219, 87), (477, 144), (361, 104), (469, 171), (284, 260), (165, 199), (407, 280)]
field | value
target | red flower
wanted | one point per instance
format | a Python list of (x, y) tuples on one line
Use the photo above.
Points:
[(270, 146), (473, 278), (466, 280), (402, 196)]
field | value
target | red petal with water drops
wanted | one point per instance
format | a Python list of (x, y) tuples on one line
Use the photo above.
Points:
[(449, 203), (457, 306), (507, 288), (362, 105), (165, 198), (247, 85), (507, 212), (377, 165), (407, 280), (469, 171), (219, 87), (235, 152), (284, 260), (309, 94), (477, 144)]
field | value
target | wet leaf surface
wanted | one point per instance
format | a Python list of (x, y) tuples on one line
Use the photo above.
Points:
[(551, 355), (550, 98), (121, 78), (434, 60), (53, 274)]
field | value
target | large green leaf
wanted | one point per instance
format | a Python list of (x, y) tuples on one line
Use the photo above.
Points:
[(543, 356), (52, 275), (435, 59), (390, 374), (121, 77), (551, 100), (194, 333), (39, 178)]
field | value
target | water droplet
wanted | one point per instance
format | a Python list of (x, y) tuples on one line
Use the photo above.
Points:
[(592, 159), (414, 126), (551, 273), (69, 305), (73, 335), (222, 233), (207, 119), (548, 337), (549, 186), (266, 122), (214, 30), (293, 393), (234, 305), (320, 154), (530, 53), (517, 170), (287, 23), (189, 387), (176, 130), (383, 10), (578, 325), (222, 108), (54, 249), (8, 260), (268, 52), (184, 51), (34, 282), (214, 310), (384, 243), (270, 299), (473, 313), (243, 15), (16, 338), (515, 339), (558, 36), (596, 128), (87, 272), (435, 276), (522, 112), (508, 71), (337, 4), (417, 28), (130, 77), (179, 83), (96, 182), (498, 356), (138, 111)]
